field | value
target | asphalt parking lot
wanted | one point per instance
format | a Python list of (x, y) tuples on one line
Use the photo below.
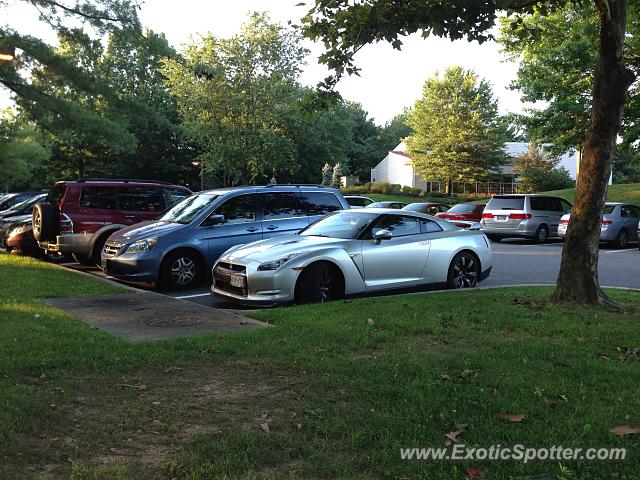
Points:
[(516, 262)]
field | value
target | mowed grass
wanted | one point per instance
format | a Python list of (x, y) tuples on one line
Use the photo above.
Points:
[(627, 193), (332, 391)]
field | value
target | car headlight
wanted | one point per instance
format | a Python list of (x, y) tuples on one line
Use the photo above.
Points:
[(142, 246), (17, 231), (276, 264)]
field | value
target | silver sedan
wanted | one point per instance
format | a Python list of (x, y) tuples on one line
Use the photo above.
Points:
[(353, 252), (619, 224)]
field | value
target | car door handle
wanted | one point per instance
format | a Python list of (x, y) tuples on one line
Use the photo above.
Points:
[(272, 227), (252, 229)]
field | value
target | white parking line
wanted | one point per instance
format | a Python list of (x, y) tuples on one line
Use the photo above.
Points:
[(618, 251), (184, 297)]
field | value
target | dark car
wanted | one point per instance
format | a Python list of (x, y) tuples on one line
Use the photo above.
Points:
[(78, 216), (22, 208), (396, 205), (10, 199), (463, 212), (429, 208), (180, 248)]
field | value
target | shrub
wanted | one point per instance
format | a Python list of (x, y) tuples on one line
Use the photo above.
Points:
[(356, 189)]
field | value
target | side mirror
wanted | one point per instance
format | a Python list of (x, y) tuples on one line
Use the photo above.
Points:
[(381, 235), (214, 219)]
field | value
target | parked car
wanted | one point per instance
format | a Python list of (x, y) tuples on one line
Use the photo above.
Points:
[(350, 253), (530, 216), (426, 207), (78, 216), (619, 224), (463, 212), (394, 205), (22, 208), (177, 250), (10, 199), (357, 201), (18, 238)]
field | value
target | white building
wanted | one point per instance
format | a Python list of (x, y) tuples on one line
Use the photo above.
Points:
[(397, 168)]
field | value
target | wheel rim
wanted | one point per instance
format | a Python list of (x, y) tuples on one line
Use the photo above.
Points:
[(542, 234), (465, 272), (36, 222), (622, 242), (326, 285), (183, 271)]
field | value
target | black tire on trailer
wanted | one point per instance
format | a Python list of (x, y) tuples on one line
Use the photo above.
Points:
[(44, 222)]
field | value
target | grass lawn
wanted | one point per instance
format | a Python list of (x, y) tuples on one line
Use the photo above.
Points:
[(327, 393), (628, 193)]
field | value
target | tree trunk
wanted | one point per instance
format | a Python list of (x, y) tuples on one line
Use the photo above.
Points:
[(448, 187), (578, 278)]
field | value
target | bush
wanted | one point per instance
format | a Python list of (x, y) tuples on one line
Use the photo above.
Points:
[(385, 187), (356, 189)]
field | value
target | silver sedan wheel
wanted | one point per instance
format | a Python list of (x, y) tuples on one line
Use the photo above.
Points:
[(465, 272), (183, 271)]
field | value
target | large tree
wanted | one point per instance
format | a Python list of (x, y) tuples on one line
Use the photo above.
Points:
[(457, 135), (236, 96), (345, 27), (555, 72)]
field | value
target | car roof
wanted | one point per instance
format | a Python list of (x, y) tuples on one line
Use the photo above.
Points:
[(275, 188), (356, 196)]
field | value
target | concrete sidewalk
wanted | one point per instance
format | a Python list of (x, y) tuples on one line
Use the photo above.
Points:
[(146, 316)]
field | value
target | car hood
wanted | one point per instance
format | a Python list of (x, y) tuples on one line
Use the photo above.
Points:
[(142, 230), (274, 248)]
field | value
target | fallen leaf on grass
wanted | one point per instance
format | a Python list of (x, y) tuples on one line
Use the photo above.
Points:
[(511, 417), (452, 437), (130, 385), (444, 376), (465, 373), (623, 430), (265, 427), (370, 321), (473, 473)]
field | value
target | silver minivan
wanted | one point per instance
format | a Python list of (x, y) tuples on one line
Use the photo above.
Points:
[(523, 216)]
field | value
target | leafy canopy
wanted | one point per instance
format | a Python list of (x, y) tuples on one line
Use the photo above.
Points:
[(457, 135)]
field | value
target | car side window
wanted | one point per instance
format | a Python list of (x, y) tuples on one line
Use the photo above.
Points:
[(432, 209), (319, 203), (98, 197), (240, 209), (536, 203), (628, 211), (635, 211), (140, 199), (429, 226), (280, 205), (398, 225)]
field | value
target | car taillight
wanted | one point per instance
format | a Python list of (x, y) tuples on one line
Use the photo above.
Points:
[(607, 222), (520, 216), (487, 215), (564, 220), (66, 225), (456, 217)]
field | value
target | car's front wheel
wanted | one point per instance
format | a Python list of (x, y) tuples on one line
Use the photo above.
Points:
[(319, 283), (464, 271), (181, 270)]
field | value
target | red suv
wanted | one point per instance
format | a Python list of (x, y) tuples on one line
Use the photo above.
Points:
[(78, 217)]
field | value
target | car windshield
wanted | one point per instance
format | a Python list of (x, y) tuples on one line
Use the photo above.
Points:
[(463, 208), (344, 224), (188, 209), (414, 207)]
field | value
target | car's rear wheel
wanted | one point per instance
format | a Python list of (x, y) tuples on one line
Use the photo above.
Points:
[(621, 240), (542, 234), (180, 270), (464, 271), (319, 283), (43, 219)]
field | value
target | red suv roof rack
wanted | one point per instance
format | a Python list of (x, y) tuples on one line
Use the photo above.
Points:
[(123, 180)]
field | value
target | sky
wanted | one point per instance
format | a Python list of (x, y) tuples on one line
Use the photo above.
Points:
[(389, 79)]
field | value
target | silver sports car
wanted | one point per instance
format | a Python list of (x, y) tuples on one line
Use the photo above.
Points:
[(353, 252)]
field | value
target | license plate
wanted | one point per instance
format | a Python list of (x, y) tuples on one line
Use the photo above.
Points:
[(237, 280), (500, 217)]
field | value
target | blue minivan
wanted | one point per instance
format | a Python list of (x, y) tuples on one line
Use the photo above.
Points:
[(179, 249)]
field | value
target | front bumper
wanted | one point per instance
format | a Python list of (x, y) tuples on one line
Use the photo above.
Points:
[(143, 267), (262, 288)]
